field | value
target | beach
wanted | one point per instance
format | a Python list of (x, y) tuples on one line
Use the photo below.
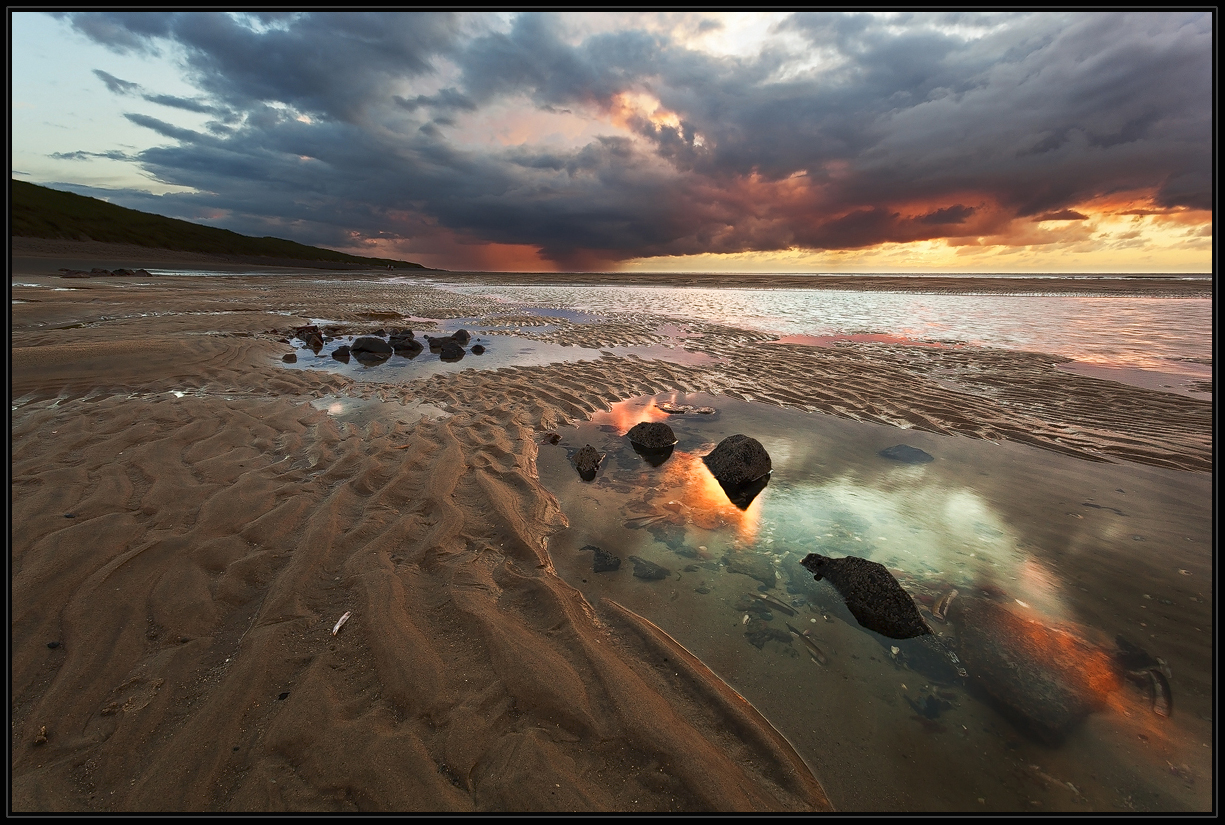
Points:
[(191, 519)]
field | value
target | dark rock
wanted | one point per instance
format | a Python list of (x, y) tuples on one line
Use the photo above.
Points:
[(551, 438), (408, 347), (74, 273), (741, 466), (461, 336), (905, 454), (380, 332), (311, 336), (372, 345), (648, 570), (652, 435), (435, 344), (290, 358), (341, 353), (872, 594), (53, 645), (478, 349), (587, 462), (1045, 680), (450, 350), (604, 561), (371, 359)]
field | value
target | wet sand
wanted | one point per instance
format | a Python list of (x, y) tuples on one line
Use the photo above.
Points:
[(189, 523)]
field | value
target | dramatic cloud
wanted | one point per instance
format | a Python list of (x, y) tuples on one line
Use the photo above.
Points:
[(580, 142)]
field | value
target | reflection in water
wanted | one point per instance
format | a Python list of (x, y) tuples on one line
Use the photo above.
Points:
[(1052, 585)]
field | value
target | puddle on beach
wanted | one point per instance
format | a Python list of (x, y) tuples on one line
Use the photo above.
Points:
[(501, 349), (1080, 585)]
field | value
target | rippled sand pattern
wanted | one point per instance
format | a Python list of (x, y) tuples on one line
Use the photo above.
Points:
[(187, 529)]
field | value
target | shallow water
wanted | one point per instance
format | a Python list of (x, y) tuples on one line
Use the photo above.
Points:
[(1073, 550), (1146, 333), (501, 350)]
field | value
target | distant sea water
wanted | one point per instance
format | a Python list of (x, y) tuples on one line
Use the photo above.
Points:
[(1164, 335)]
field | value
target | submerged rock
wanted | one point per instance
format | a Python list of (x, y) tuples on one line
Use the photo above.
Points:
[(649, 570), (905, 454), (1046, 680), (450, 350), (587, 462), (872, 594), (753, 565), (603, 561)]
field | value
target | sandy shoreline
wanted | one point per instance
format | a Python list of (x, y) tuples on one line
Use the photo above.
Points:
[(188, 526)]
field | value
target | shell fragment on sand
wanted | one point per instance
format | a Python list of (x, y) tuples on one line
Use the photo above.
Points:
[(341, 621)]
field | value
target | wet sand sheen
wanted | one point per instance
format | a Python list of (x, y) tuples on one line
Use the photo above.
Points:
[(188, 527)]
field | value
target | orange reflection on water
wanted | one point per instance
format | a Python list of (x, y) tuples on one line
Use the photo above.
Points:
[(623, 416), (686, 480)]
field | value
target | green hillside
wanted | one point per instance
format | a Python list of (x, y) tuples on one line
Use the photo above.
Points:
[(39, 212)]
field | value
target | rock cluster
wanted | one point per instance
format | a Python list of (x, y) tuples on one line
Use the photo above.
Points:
[(104, 273)]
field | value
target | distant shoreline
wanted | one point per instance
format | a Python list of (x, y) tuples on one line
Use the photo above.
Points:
[(43, 256)]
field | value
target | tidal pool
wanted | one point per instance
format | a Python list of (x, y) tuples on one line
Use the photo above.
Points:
[(1077, 582)]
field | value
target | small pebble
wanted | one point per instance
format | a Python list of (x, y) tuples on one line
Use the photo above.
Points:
[(53, 645)]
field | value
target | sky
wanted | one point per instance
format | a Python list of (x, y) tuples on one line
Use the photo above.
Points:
[(631, 141)]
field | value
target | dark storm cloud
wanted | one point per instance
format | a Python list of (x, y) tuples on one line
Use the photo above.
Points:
[(913, 127)]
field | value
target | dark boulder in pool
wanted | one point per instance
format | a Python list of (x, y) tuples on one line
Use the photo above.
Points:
[(450, 350), (341, 353), (651, 435), (739, 459), (406, 346), (587, 462), (369, 344), (461, 336), (478, 349), (741, 466), (290, 358), (872, 594), (905, 454)]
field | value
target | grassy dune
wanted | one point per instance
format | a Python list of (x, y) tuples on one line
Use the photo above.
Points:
[(39, 212)]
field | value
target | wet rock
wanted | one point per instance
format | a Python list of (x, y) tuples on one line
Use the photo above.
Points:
[(905, 454), (477, 349), (648, 570), (341, 353), (1045, 680), (289, 358), (311, 336), (741, 466), (587, 462), (406, 346), (450, 350), (551, 438), (872, 594), (461, 336), (738, 460), (651, 435), (370, 344)]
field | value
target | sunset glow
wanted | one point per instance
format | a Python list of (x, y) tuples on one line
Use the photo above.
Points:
[(725, 141)]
